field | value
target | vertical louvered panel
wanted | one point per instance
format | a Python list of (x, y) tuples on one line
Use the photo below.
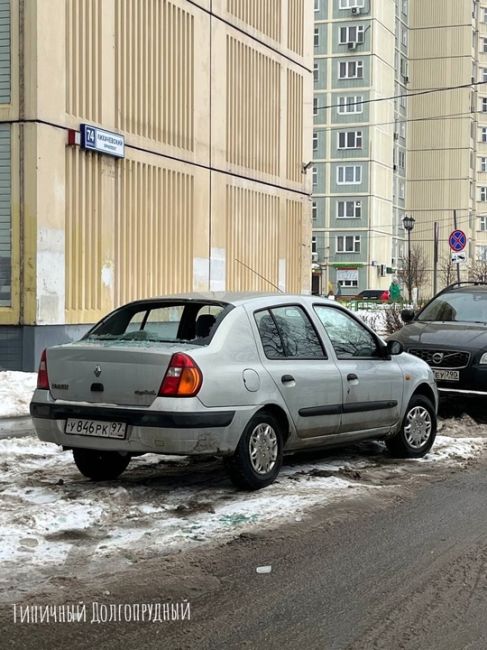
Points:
[(153, 232), (252, 238), (295, 25), (5, 52), (293, 245), (265, 16), (5, 216), (83, 234), (294, 126), (155, 71), (83, 59), (253, 99)]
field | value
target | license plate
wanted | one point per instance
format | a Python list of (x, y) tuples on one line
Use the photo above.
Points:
[(96, 428), (446, 375)]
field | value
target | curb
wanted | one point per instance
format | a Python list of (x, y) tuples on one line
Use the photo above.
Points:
[(16, 427)]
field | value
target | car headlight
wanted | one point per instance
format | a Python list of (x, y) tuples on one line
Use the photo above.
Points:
[(483, 359)]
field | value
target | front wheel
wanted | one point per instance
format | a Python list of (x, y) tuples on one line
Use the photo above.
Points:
[(258, 457), (418, 430), (100, 465)]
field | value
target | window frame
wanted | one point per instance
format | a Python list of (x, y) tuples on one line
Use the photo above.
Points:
[(346, 136), (356, 105), (356, 239), (357, 206), (354, 181), (359, 66)]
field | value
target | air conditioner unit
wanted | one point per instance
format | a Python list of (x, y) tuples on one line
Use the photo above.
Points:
[(314, 257), (352, 45), (396, 136), (394, 167), (356, 11), (405, 79)]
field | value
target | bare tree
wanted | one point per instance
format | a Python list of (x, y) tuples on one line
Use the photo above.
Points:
[(447, 271), (478, 271), (413, 271)]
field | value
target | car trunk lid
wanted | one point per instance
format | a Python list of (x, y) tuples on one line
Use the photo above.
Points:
[(123, 373)]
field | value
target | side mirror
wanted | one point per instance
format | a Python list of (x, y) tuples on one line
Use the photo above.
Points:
[(395, 347), (407, 315)]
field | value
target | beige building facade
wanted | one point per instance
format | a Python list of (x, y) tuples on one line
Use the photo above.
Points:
[(213, 101)]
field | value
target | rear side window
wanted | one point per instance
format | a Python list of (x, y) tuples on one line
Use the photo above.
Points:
[(287, 332)]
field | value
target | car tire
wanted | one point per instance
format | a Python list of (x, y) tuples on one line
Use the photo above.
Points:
[(258, 457), (100, 465), (418, 430)]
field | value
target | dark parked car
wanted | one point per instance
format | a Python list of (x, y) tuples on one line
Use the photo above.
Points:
[(374, 294), (450, 334)]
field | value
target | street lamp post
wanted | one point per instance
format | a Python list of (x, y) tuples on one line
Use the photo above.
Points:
[(408, 223)]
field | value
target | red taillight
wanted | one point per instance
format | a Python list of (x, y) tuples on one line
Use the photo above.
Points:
[(183, 378), (42, 378)]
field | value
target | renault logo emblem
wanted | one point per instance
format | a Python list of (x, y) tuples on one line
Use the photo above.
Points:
[(437, 358), (97, 371)]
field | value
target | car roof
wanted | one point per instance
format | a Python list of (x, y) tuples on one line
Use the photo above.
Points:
[(231, 298)]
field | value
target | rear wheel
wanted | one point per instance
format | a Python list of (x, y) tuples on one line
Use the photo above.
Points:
[(100, 465), (258, 457), (418, 430)]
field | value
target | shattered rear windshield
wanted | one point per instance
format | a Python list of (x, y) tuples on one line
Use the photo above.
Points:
[(169, 322)]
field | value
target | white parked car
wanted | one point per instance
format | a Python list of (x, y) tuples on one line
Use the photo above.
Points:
[(246, 377)]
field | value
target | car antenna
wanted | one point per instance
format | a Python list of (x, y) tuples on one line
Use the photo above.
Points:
[(260, 276)]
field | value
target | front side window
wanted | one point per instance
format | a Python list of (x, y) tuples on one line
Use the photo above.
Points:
[(287, 332), (349, 338)]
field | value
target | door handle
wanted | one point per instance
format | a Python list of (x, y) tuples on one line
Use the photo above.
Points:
[(352, 377), (287, 378)]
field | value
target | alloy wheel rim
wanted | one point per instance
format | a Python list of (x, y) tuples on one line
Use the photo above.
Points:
[(263, 448), (418, 427)]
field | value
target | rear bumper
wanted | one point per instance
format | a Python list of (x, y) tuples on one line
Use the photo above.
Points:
[(214, 431)]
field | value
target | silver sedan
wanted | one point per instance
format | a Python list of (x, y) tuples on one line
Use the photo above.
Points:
[(248, 377)]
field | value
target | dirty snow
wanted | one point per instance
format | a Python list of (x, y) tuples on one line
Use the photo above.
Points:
[(53, 520), (16, 390)]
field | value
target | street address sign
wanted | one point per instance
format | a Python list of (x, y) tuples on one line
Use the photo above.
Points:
[(457, 241), (95, 139)]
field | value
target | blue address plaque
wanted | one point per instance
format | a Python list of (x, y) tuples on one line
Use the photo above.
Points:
[(107, 142)]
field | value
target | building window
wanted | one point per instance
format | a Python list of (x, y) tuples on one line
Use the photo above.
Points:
[(351, 70), (348, 244), (317, 37), (349, 175), (317, 5), (347, 277), (483, 193), (313, 246), (483, 224), (350, 140), (403, 100), (351, 34), (483, 164), (405, 7), (484, 74), (484, 105), (350, 4), (402, 159), (315, 176), (349, 209), (484, 134), (482, 253), (404, 37), (485, 16), (402, 128), (484, 45), (315, 141), (402, 191), (314, 210), (350, 104), (316, 73), (315, 106)]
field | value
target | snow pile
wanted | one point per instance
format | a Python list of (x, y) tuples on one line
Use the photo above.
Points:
[(16, 389)]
